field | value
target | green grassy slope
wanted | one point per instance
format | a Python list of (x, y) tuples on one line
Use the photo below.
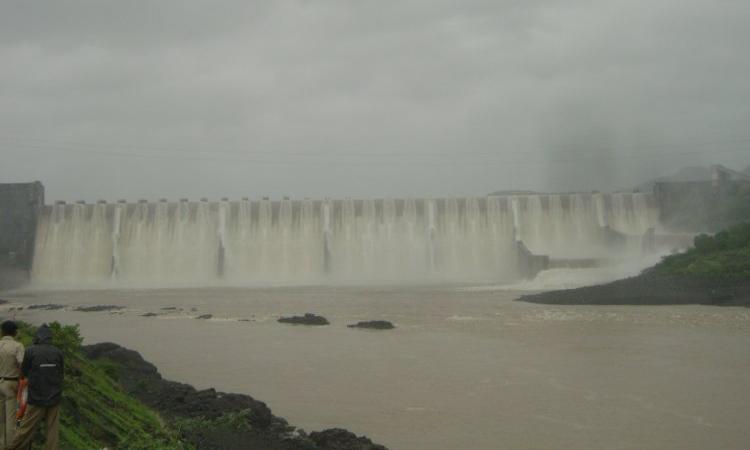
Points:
[(725, 255), (96, 412)]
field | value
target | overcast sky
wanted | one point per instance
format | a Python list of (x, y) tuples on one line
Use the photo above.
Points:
[(359, 98)]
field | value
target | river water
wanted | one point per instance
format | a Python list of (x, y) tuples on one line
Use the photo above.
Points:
[(466, 368)]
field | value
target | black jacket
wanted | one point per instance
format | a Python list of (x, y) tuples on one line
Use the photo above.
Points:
[(43, 366)]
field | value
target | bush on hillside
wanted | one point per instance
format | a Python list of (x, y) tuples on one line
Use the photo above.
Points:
[(725, 255)]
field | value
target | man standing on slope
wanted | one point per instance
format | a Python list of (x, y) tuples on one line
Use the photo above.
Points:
[(43, 366), (11, 357)]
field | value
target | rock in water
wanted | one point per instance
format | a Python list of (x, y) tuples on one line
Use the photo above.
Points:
[(339, 439), (99, 308), (374, 325), (307, 319), (47, 307)]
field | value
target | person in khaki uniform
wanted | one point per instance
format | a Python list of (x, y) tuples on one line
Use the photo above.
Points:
[(43, 366), (11, 357)]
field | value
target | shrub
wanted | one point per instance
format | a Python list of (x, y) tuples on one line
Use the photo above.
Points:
[(725, 255)]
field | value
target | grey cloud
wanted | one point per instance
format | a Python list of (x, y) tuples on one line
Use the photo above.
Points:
[(369, 98)]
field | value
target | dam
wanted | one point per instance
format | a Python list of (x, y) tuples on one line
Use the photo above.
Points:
[(246, 242)]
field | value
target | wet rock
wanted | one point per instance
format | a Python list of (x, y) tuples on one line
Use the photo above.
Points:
[(307, 319), (204, 316), (99, 308), (47, 307), (340, 439), (149, 314), (175, 400), (651, 289), (373, 325)]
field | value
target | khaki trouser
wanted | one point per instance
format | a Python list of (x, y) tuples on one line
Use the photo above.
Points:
[(8, 407), (34, 415)]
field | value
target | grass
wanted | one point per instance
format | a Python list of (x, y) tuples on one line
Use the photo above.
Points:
[(96, 412)]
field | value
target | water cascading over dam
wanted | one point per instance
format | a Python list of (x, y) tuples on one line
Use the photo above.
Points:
[(355, 241)]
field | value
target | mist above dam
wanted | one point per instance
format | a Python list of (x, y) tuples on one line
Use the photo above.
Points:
[(331, 241)]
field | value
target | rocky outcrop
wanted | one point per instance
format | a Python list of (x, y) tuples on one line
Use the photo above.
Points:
[(261, 430), (47, 307), (339, 439), (141, 379), (373, 325), (307, 319), (99, 308)]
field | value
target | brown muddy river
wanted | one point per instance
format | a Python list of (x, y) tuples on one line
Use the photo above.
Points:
[(464, 369)]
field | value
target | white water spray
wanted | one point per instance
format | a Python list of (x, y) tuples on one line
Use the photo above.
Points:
[(336, 241)]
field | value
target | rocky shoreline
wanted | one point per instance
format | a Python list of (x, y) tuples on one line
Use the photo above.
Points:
[(651, 289), (231, 421)]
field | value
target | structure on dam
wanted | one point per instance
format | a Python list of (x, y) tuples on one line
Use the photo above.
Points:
[(20, 206)]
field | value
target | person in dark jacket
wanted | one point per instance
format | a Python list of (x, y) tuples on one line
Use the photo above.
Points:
[(43, 366)]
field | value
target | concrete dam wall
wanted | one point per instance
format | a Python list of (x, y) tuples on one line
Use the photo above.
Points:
[(309, 242)]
